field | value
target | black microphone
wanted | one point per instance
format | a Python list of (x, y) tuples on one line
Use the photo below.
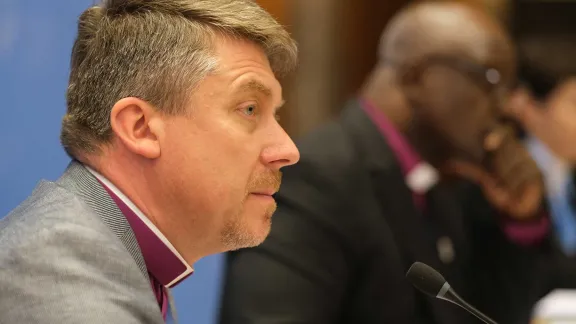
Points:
[(432, 283)]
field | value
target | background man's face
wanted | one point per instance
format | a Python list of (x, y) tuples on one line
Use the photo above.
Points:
[(461, 107)]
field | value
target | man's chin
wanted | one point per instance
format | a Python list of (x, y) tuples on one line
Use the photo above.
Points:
[(260, 236), (248, 237)]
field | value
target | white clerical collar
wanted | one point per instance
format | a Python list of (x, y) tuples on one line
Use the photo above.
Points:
[(422, 178)]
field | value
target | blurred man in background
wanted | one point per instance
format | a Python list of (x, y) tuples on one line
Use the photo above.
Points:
[(421, 167), (546, 113), (171, 124), (547, 108)]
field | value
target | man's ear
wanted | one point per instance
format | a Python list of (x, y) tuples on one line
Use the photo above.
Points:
[(137, 125)]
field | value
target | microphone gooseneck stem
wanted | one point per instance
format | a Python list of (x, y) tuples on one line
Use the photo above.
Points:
[(450, 295)]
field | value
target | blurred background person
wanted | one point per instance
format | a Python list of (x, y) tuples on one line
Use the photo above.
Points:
[(375, 192), (546, 114), (544, 32)]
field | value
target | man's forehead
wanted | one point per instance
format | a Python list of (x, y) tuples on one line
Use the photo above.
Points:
[(491, 52), (237, 53)]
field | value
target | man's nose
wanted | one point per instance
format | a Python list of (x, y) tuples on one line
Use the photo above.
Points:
[(281, 152)]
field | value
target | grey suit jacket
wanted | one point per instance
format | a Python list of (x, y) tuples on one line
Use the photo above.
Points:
[(68, 255)]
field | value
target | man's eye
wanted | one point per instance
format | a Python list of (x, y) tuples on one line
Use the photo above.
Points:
[(249, 110)]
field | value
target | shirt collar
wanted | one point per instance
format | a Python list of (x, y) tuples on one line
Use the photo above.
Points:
[(419, 175), (162, 260), (556, 171)]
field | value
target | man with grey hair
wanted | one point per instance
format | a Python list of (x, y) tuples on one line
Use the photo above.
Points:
[(176, 154)]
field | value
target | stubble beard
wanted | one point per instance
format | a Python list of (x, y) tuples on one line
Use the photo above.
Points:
[(237, 234)]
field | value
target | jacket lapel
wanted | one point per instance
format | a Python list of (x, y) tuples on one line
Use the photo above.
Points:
[(80, 181), (390, 189), (447, 215), (172, 317)]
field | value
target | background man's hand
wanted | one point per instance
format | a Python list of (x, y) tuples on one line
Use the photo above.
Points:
[(511, 182)]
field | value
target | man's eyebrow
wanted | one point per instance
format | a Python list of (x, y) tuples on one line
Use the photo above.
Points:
[(254, 85)]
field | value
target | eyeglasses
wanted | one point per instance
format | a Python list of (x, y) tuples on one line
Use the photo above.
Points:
[(488, 78)]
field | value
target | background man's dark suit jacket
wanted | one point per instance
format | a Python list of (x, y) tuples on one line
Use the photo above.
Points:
[(347, 230)]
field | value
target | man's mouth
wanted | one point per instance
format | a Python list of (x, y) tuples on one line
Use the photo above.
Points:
[(264, 192)]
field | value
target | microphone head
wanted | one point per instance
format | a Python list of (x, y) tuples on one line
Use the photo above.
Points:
[(425, 278)]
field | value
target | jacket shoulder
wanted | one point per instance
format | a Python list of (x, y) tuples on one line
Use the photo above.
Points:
[(62, 264)]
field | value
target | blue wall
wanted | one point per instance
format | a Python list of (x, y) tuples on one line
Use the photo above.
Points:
[(35, 41)]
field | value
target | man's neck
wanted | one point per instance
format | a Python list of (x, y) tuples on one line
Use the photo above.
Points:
[(430, 151), (382, 91), (131, 182)]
